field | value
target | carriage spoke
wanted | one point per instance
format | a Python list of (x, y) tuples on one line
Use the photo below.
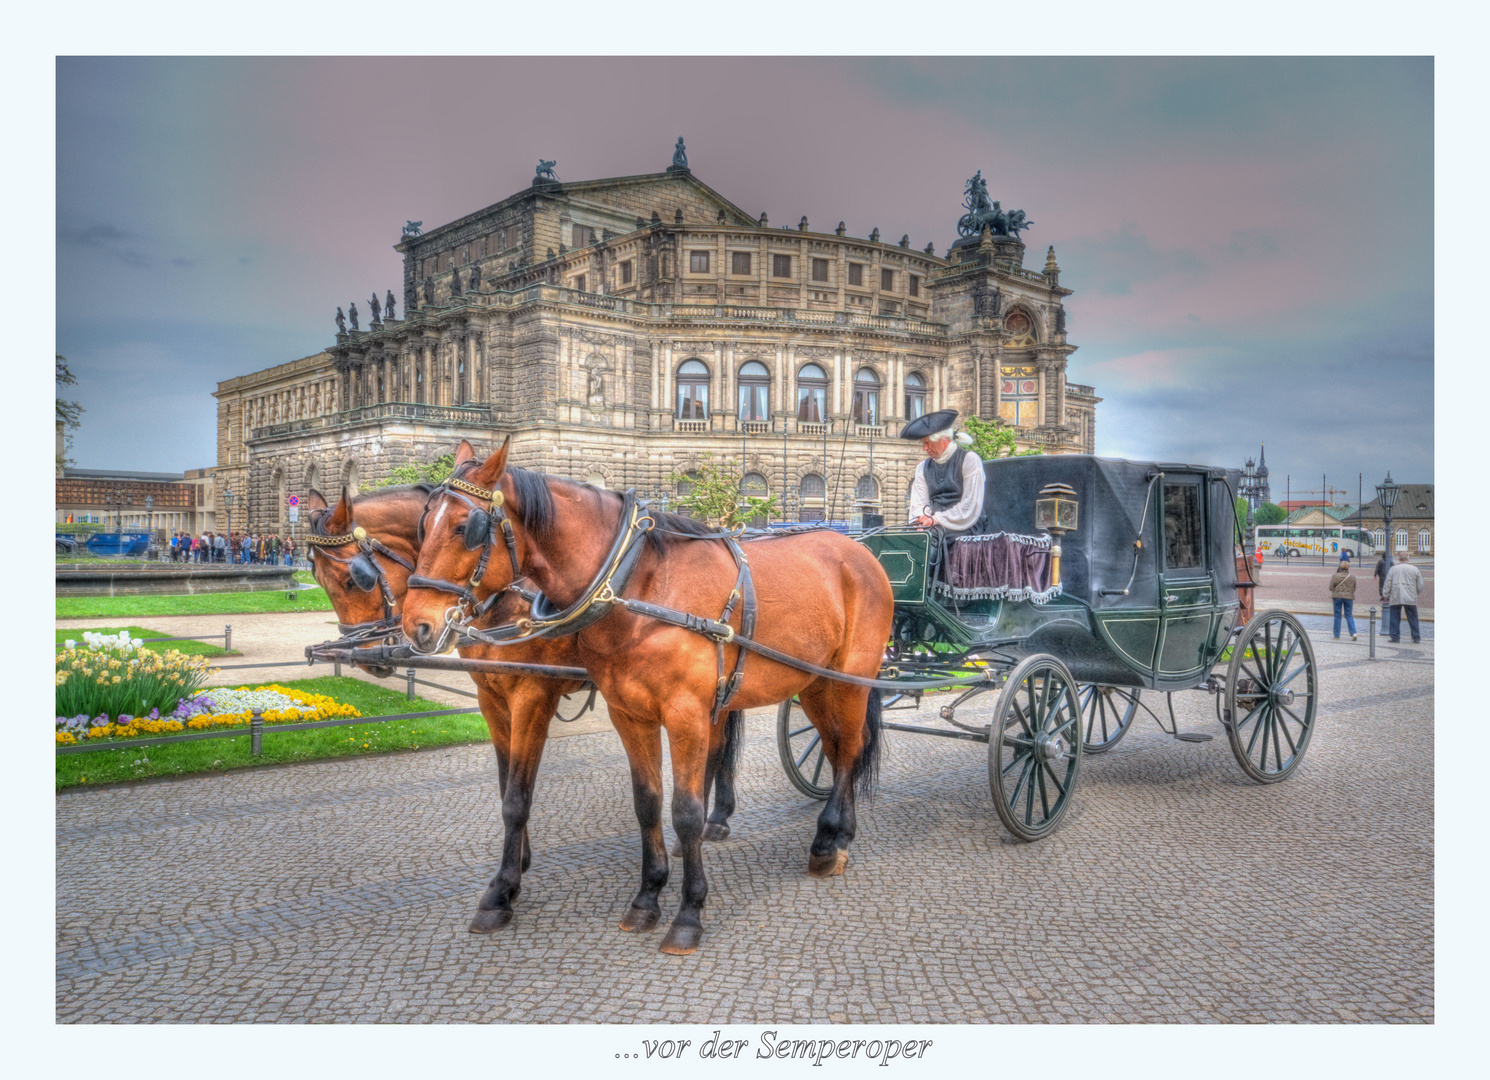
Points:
[(1060, 787), (805, 727), (1263, 708), (1293, 675), (1024, 775), (1029, 797), (815, 740), (818, 772), (1044, 798)]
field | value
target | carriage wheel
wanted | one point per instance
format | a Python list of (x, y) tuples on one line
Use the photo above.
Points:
[(807, 767), (1106, 715), (1034, 748), (1270, 708)]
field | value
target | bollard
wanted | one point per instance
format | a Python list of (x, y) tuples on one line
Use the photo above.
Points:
[(336, 668), (227, 637), (411, 684), (256, 732), (1371, 633)]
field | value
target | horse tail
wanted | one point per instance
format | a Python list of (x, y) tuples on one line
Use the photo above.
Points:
[(866, 769), (734, 736)]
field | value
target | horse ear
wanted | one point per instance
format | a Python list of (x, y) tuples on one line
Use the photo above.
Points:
[(492, 467), (463, 453), (314, 501), (341, 518)]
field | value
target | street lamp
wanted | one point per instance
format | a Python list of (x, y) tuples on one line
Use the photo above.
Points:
[(119, 510), (227, 505), (149, 523), (1386, 497)]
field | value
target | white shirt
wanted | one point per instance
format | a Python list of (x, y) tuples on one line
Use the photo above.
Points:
[(958, 518)]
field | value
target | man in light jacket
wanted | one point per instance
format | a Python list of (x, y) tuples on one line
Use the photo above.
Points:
[(1404, 582)]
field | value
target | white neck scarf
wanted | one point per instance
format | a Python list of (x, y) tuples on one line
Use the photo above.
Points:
[(946, 455)]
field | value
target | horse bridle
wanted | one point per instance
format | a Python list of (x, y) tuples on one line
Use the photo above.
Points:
[(482, 525), (367, 574)]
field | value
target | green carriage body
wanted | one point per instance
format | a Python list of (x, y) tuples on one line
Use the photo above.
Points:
[(1148, 576)]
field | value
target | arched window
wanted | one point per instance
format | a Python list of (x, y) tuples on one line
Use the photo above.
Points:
[(755, 392), (693, 390), (753, 484), (1378, 538), (1020, 328), (915, 395), (595, 479), (866, 397), (1425, 541), (867, 492), (349, 479), (460, 378), (310, 477), (812, 396), (814, 493), (419, 382), (1400, 540)]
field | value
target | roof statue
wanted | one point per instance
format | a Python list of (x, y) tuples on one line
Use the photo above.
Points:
[(413, 228), (545, 170), (377, 311), (983, 212), (352, 313), (341, 322), (680, 155), (388, 305)]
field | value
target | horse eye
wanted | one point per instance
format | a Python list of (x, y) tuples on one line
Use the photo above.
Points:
[(460, 530)]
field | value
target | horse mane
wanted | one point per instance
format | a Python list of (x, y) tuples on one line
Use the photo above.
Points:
[(402, 491), (677, 529), (532, 502)]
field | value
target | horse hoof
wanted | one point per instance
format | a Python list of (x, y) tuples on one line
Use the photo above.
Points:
[(829, 865), (681, 940), (640, 920), (488, 919), (716, 830)]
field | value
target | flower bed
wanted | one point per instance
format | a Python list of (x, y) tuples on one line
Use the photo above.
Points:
[(113, 689)]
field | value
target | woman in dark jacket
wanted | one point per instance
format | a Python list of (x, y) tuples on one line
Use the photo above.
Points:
[(1342, 592)]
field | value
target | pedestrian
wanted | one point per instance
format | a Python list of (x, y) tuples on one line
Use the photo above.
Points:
[(274, 549), (1382, 566), (220, 546), (1342, 592), (1404, 582)]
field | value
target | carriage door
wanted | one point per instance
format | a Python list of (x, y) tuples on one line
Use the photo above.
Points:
[(1187, 595)]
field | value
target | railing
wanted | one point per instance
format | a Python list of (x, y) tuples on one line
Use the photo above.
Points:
[(868, 431), (690, 425), (756, 427), (806, 428), (408, 410), (291, 427), (1078, 388)]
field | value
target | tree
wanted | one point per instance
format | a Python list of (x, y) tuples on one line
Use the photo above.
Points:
[(992, 439), (1269, 514), (69, 413), (713, 495), (416, 472)]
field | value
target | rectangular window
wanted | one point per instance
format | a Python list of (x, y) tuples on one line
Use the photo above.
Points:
[(819, 269), (887, 280), (698, 262), (855, 274), (582, 236), (915, 285), (1182, 533), (781, 266), (693, 401), (753, 402), (739, 262), (578, 283), (626, 272)]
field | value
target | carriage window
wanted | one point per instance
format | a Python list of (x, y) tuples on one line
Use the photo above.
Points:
[(1182, 531)]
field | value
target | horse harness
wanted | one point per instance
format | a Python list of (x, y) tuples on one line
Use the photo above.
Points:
[(367, 574), (603, 594)]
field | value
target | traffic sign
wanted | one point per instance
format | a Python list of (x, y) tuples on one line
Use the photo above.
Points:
[(293, 500), (294, 514)]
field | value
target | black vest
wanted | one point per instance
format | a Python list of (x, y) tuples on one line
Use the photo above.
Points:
[(944, 482)]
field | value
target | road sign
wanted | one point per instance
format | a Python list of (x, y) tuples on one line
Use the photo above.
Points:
[(293, 500), (294, 514)]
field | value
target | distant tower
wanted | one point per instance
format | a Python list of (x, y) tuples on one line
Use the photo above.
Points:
[(1254, 486)]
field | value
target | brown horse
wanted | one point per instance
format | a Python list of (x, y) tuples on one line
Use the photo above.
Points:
[(366, 578), (821, 598)]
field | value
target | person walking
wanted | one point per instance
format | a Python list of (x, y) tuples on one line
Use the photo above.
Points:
[(1404, 582), (1342, 592), (1382, 566)]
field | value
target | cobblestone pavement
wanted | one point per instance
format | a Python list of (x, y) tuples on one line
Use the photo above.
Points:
[(1175, 890)]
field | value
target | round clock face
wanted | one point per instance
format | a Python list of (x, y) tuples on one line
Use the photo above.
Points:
[(1018, 324)]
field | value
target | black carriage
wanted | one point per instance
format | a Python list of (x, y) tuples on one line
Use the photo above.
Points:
[(1086, 582)]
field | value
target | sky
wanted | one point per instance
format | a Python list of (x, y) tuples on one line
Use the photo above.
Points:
[(1249, 241)]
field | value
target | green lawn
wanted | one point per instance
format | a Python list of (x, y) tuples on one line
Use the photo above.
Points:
[(188, 648), (105, 766), (229, 603)]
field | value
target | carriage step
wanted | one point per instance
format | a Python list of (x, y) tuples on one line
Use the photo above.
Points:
[(1194, 736)]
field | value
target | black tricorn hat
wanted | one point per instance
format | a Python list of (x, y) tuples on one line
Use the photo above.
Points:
[(923, 427)]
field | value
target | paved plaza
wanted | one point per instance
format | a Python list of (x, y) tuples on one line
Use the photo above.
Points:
[(1175, 890)]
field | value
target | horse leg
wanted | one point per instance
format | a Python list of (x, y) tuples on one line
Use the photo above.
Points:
[(530, 704), (719, 776), (689, 745), (643, 744), (842, 715)]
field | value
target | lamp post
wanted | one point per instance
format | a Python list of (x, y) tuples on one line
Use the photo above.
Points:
[(149, 523), (227, 505), (1386, 496), (119, 510)]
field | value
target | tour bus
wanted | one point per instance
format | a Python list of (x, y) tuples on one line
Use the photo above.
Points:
[(1292, 541)]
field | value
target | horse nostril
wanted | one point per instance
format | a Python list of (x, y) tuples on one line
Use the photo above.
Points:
[(423, 632)]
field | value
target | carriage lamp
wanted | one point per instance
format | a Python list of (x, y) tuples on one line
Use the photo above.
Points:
[(1055, 512)]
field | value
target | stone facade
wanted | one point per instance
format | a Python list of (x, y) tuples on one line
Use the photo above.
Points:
[(620, 329)]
